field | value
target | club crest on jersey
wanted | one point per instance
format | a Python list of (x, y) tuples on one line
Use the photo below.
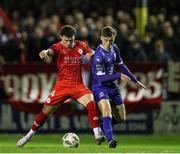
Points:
[(101, 94), (80, 51), (98, 59)]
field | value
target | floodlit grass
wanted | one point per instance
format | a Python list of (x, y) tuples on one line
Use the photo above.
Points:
[(51, 143)]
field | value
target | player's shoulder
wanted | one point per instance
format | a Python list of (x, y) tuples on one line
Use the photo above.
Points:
[(58, 45), (99, 52), (115, 46), (80, 43), (99, 49)]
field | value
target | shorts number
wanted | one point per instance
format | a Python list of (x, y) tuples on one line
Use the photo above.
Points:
[(48, 100), (52, 93)]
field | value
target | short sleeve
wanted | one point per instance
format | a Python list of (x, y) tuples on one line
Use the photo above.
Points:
[(55, 47)]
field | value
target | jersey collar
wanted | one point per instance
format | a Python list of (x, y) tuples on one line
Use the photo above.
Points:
[(105, 49), (75, 44)]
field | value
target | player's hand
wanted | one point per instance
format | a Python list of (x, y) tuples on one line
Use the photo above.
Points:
[(125, 78), (88, 56), (43, 54), (140, 85)]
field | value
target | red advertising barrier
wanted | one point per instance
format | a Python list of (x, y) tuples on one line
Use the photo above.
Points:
[(151, 74), (31, 84)]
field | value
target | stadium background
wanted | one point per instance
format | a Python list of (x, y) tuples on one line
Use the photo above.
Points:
[(148, 36)]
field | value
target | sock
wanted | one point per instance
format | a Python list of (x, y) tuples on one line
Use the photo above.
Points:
[(30, 133), (39, 121), (93, 114), (101, 126), (114, 121), (107, 127), (97, 132)]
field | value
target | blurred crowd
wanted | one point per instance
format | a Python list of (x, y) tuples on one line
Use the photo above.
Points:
[(37, 23)]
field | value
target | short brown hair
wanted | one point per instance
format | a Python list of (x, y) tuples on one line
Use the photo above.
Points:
[(68, 31), (108, 31)]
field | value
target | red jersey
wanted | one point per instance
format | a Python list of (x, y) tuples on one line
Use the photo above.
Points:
[(69, 62)]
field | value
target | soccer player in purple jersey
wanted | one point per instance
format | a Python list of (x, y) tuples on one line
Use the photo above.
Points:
[(107, 95)]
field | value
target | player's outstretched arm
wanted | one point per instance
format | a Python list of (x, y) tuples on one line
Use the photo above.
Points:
[(45, 53), (127, 79)]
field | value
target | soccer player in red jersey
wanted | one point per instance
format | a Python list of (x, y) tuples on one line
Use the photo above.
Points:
[(69, 83)]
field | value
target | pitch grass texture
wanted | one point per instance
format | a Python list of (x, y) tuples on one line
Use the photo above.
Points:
[(52, 143)]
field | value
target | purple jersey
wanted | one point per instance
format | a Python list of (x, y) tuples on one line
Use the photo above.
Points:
[(104, 75), (103, 71), (103, 66)]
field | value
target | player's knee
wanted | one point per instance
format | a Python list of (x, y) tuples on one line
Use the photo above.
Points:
[(106, 111), (86, 99), (107, 114), (48, 110), (89, 98)]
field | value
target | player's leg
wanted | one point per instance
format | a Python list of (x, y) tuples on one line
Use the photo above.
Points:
[(38, 122), (55, 98), (87, 100), (105, 108), (119, 114), (46, 112), (102, 98), (118, 108)]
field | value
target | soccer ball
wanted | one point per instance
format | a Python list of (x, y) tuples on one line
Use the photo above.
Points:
[(70, 140)]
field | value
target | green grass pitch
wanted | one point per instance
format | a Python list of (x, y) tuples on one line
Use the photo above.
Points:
[(51, 143)]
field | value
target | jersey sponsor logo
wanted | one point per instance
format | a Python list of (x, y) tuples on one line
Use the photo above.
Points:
[(72, 60)]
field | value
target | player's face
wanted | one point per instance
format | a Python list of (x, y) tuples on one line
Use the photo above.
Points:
[(68, 41), (107, 42)]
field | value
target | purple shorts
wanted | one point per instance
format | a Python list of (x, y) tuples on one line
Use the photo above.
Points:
[(113, 95)]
